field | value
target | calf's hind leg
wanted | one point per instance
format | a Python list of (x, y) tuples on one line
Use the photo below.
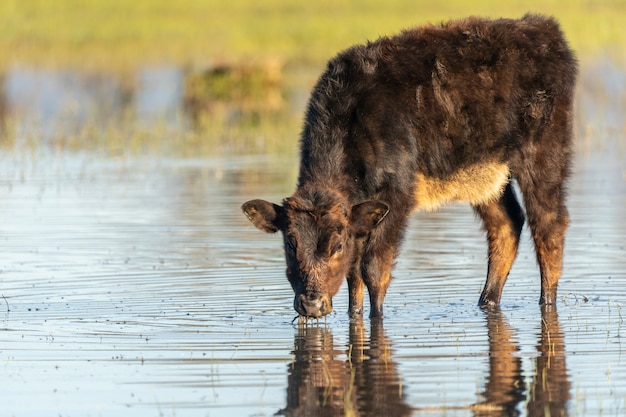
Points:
[(503, 220), (548, 220)]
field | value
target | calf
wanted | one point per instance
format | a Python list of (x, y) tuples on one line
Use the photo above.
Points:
[(436, 114)]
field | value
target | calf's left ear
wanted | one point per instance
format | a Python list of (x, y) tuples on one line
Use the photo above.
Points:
[(264, 215), (367, 215)]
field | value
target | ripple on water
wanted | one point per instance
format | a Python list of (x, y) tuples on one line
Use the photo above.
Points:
[(142, 286)]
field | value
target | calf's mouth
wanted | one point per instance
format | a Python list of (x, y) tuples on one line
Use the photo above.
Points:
[(312, 306)]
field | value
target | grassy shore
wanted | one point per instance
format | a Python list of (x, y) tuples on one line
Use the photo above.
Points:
[(120, 34), (271, 52)]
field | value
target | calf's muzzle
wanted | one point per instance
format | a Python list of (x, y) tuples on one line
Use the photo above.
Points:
[(313, 306)]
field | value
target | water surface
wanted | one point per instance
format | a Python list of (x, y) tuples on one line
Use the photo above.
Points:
[(134, 286), (138, 285)]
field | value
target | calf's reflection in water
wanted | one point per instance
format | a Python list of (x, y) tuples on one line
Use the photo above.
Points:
[(505, 388), (362, 380)]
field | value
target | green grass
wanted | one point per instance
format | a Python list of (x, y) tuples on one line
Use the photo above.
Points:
[(122, 34), (250, 37)]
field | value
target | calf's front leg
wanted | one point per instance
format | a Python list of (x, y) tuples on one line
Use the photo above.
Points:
[(376, 271), (356, 287)]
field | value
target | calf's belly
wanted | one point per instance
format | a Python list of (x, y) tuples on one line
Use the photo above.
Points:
[(475, 184)]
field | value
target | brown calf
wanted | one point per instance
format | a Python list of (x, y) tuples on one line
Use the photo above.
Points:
[(433, 115)]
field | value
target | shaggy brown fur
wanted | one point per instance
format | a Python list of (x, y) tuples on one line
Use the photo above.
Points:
[(435, 114)]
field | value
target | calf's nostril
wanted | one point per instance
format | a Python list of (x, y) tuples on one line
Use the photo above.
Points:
[(299, 304), (324, 306), (312, 306)]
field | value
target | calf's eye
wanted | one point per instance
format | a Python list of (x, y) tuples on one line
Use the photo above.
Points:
[(338, 248)]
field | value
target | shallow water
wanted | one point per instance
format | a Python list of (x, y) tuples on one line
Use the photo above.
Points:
[(135, 286)]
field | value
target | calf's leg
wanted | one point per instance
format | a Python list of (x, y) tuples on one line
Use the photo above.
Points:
[(356, 287), (549, 237), (544, 169), (503, 220), (376, 270), (377, 255), (548, 220)]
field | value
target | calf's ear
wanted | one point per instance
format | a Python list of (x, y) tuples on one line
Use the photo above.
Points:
[(264, 215), (367, 215)]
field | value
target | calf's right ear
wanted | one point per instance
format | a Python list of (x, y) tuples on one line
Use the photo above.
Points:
[(264, 215), (367, 215)]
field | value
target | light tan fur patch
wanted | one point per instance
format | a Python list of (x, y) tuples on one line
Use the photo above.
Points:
[(477, 184)]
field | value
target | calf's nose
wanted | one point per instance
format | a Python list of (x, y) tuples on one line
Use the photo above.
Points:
[(316, 306)]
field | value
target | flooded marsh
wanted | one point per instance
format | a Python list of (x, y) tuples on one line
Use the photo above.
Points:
[(131, 284)]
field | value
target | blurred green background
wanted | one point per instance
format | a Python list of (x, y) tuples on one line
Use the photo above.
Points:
[(120, 34), (247, 65)]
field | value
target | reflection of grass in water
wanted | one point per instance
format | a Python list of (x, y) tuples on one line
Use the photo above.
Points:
[(239, 107), (245, 122), (272, 134), (236, 109)]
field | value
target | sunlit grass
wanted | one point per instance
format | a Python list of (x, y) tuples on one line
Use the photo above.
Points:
[(126, 34), (120, 37)]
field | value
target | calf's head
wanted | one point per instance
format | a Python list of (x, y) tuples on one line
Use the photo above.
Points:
[(320, 231)]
